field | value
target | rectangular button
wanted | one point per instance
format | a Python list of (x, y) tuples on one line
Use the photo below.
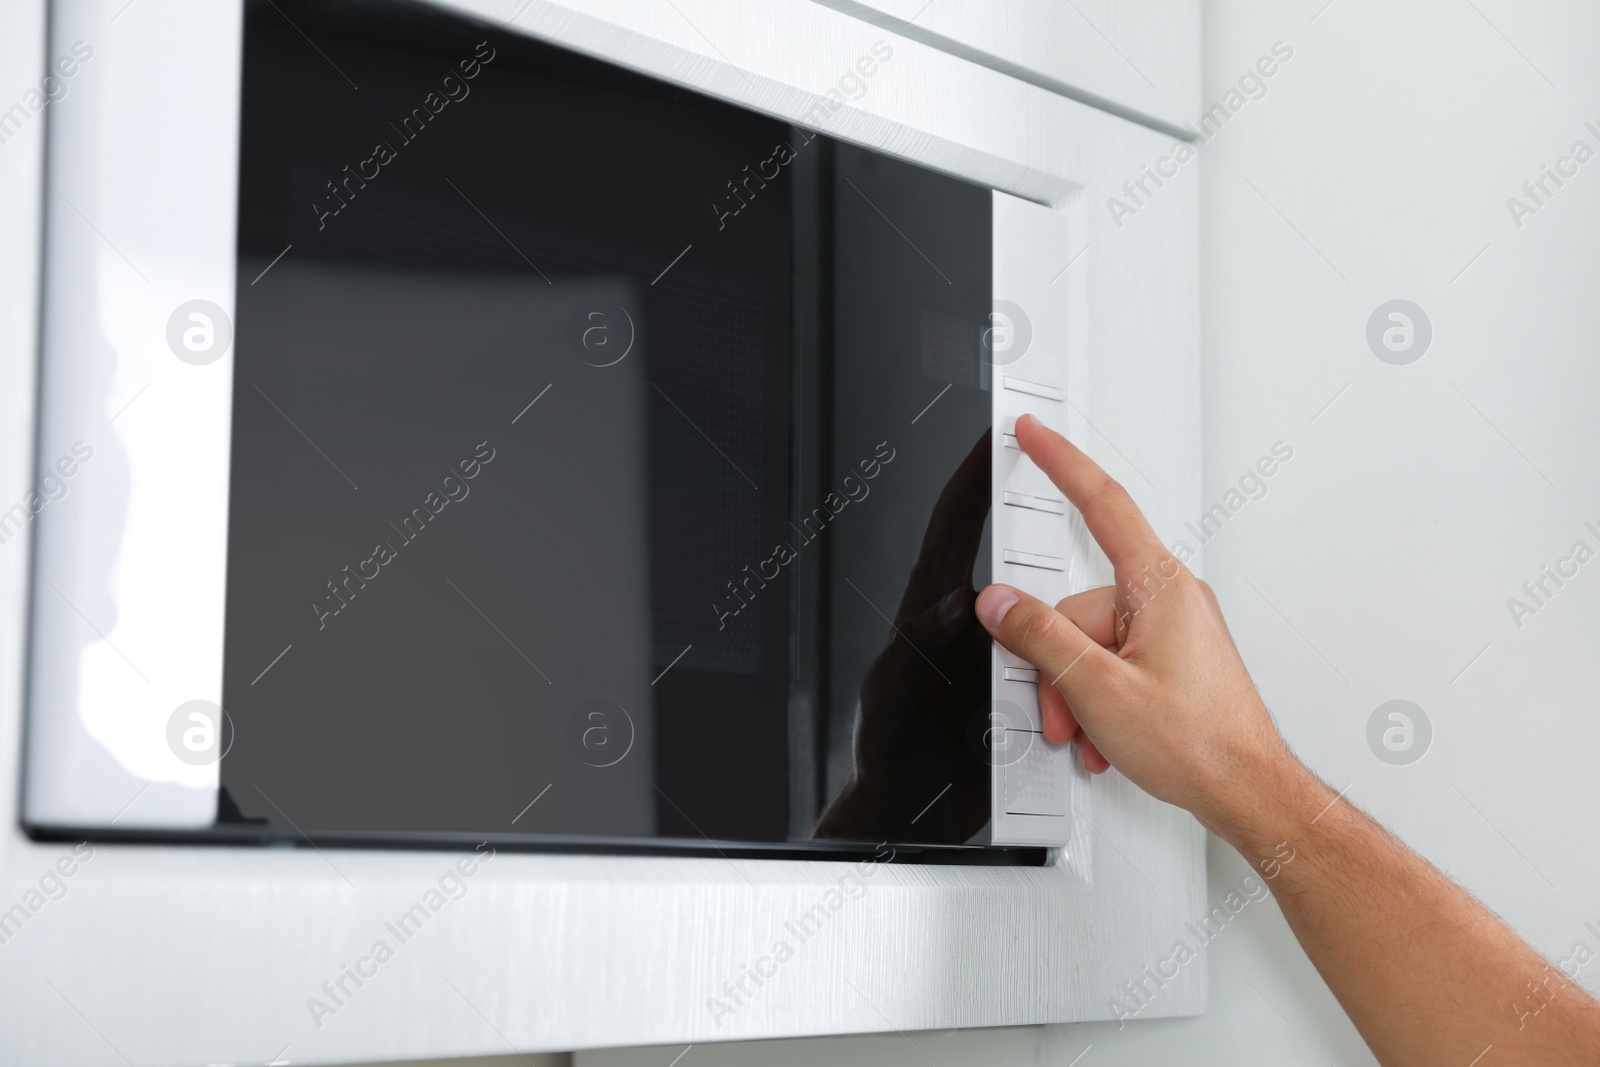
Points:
[(1023, 385), (1010, 441), (1031, 772), (1035, 503), (1020, 674), (1034, 559)]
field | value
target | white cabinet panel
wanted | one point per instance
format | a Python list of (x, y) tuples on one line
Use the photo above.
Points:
[(1139, 58)]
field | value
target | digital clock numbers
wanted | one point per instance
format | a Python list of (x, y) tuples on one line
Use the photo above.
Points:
[(952, 351)]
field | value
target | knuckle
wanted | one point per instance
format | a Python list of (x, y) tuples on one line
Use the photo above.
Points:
[(1171, 569), (1038, 628), (1111, 492)]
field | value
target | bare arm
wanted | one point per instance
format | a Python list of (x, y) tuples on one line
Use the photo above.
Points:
[(1149, 681)]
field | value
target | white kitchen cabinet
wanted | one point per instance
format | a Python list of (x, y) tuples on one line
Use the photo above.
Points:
[(1140, 59)]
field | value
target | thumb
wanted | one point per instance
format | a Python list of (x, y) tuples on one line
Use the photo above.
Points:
[(1032, 629)]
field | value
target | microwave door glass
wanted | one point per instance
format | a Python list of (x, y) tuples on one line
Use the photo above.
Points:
[(609, 464)]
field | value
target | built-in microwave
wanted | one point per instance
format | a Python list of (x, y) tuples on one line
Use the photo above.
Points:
[(580, 462), (215, 342)]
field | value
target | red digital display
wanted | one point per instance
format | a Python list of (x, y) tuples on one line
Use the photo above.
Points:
[(950, 350)]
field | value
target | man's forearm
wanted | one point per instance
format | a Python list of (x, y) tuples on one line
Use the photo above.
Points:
[(1427, 974), (1155, 687)]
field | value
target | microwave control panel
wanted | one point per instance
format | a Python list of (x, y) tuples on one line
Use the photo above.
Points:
[(1037, 786)]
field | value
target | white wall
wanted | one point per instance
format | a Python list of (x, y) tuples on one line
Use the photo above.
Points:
[(1379, 565)]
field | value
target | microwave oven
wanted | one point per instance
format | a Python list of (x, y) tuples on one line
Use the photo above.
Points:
[(576, 462), (126, 594)]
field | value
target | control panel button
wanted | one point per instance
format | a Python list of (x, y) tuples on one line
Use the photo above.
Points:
[(1051, 505), (1033, 782), (1039, 389), (1020, 674), (1034, 559)]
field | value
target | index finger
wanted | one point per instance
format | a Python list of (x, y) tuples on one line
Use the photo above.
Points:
[(1116, 522)]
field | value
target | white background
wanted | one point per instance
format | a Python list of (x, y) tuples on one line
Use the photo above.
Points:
[(1392, 540)]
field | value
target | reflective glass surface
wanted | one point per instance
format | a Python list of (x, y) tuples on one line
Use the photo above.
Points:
[(610, 462)]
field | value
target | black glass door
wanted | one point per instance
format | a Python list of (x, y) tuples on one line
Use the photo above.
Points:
[(586, 432)]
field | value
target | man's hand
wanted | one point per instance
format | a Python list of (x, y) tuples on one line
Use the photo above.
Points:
[(1145, 673)]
